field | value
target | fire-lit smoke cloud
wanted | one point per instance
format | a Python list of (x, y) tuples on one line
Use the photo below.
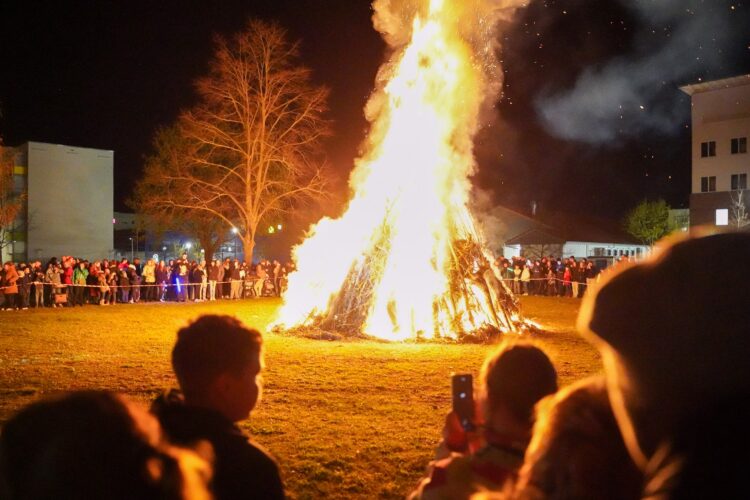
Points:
[(676, 41), (476, 21)]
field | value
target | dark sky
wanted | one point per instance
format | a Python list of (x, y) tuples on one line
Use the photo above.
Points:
[(591, 119)]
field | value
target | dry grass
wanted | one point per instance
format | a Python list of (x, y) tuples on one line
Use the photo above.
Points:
[(345, 419)]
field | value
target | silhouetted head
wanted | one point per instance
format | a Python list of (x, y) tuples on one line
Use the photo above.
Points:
[(514, 378), (576, 450), (674, 332), (217, 361), (94, 445)]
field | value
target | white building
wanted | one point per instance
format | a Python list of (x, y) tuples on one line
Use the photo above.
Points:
[(563, 235), (69, 205), (721, 126)]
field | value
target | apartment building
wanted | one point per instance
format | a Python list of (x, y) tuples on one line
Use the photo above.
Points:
[(720, 159)]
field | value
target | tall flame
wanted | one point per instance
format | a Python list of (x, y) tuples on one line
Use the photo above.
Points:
[(388, 259)]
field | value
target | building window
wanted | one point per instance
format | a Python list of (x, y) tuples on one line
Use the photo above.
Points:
[(708, 149), (722, 217), (708, 184), (609, 252), (739, 145), (739, 181)]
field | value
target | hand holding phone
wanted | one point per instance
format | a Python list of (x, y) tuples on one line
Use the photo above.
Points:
[(463, 400)]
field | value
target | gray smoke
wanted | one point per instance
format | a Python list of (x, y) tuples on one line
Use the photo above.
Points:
[(636, 93)]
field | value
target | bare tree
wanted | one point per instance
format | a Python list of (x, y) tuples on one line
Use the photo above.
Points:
[(738, 215), (157, 216), (252, 144), (11, 202)]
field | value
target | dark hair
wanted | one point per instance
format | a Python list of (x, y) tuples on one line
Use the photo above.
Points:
[(93, 445), (209, 346), (517, 376)]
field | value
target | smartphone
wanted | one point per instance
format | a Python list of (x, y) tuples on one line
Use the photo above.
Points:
[(463, 399)]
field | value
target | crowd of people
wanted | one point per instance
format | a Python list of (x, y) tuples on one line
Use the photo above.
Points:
[(550, 276), (69, 282), (667, 419)]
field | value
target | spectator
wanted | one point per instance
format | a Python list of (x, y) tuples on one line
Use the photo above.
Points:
[(67, 279), (576, 451), (162, 279), (80, 274), (277, 276), (220, 280), (149, 280), (675, 348), (102, 280), (38, 281), (181, 271), (217, 361), (260, 281), (568, 282), (513, 379), (124, 285), (9, 285), (135, 284), (53, 277), (213, 277), (201, 280), (94, 445), (113, 281), (525, 280), (24, 286), (235, 280)]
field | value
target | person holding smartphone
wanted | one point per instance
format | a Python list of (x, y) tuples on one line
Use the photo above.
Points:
[(484, 449)]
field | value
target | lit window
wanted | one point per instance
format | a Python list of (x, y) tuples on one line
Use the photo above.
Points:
[(739, 181), (708, 149), (708, 184), (739, 145), (722, 217)]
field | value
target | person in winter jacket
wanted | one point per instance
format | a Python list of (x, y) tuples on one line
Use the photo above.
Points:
[(9, 285), (217, 361)]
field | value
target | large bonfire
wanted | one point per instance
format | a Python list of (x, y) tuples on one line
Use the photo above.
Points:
[(406, 259)]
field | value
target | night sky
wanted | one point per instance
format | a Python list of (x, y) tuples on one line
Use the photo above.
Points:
[(591, 120)]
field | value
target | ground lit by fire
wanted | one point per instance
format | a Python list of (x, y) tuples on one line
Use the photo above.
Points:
[(352, 419)]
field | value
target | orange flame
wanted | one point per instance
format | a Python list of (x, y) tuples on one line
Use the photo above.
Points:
[(410, 191)]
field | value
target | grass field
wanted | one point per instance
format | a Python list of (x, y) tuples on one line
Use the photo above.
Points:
[(344, 419)]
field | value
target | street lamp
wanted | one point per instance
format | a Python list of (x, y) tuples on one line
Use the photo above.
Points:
[(132, 254), (234, 241)]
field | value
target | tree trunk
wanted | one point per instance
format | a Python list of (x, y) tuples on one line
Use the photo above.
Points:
[(248, 245), (209, 246)]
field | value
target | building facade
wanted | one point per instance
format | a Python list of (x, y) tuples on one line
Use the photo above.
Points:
[(69, 202), (561, 235), (720, 160)]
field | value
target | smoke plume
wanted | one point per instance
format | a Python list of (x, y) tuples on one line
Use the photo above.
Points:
[(635, 93)]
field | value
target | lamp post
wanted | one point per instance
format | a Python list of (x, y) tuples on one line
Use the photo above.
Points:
[(234, 241), (132, 253)]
